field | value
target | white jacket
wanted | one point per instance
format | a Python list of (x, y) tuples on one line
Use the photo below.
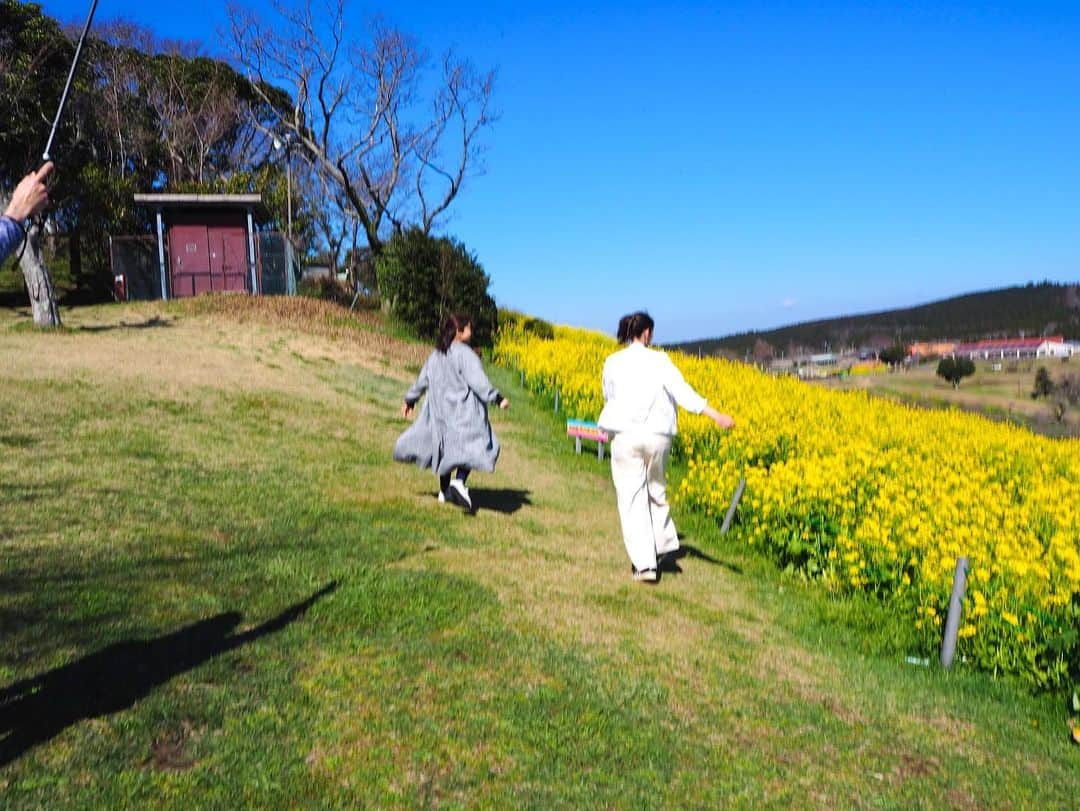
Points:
[(641, 388)]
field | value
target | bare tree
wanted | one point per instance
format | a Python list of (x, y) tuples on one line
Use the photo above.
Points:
[(193, 116), (358, 114), (120, 76)]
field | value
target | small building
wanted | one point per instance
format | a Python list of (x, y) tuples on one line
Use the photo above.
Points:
[(205, 243)]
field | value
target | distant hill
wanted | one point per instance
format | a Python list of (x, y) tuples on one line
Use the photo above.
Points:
[(1032, 309)]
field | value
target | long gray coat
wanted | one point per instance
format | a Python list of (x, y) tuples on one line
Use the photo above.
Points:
[(452, 429)]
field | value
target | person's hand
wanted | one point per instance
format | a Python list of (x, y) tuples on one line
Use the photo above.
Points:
[(406, 409), (505, 404), (721, 420), (30, 196)]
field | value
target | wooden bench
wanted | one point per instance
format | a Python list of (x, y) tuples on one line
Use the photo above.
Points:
[(583, 429)]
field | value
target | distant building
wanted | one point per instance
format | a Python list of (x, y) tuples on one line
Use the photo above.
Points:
[(923, 349), (1002, 348)]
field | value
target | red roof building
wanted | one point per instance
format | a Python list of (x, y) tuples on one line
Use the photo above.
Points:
[(1041, 347)]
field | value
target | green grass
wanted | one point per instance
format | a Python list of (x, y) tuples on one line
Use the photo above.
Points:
[(223, 594)]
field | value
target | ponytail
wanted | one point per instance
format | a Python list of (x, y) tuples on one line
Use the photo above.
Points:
[(451, 327)]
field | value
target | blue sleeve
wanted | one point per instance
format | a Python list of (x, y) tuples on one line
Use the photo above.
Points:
[(11, 235)]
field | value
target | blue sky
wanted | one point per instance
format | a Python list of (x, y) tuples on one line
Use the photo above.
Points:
[(743, 165)]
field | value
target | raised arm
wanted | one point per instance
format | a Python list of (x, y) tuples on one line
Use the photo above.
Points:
[(685, 396)]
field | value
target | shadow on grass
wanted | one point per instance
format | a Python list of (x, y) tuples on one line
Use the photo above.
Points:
[(38, 709), (150, 323), (502, 500), (688, 551)]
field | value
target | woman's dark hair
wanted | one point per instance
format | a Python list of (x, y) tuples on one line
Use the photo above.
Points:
[(633, 326), (454, 324)]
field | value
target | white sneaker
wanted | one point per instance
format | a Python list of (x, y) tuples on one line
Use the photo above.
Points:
[(442, 497), (644, 575), (459, 494)]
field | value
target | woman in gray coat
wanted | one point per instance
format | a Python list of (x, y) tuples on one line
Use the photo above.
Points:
[(452, 432)]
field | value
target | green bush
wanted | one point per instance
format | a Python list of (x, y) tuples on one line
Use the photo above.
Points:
[(893, 355), (1044, 386), (423, 279), (539, 327), (955, 369), (512, 321)]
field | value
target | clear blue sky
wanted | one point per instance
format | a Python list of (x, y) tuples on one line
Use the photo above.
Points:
[(752, 165)]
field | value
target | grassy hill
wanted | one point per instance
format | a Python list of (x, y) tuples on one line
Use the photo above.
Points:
[(1033, 309), (216, 591)]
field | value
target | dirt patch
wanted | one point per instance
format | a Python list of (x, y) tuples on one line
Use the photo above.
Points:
[(168, 752), (915, 766)]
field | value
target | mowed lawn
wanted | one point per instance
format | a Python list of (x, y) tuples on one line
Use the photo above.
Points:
[(217, 591)]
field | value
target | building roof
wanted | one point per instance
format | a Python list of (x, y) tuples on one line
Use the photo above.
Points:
[(997, 344), (252, 201)]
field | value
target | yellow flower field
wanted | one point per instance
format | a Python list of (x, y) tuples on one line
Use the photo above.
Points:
[(864, 494)]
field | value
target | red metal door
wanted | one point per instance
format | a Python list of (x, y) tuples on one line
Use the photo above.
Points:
[(234, 261), (189, 259)]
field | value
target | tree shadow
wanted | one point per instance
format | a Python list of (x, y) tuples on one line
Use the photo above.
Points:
[(151, 323), (36, 710), (501, 500)]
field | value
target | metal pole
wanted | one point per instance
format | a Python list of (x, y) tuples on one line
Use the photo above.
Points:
[(734, 504), (161, 255), (288, 184), (67, 86), (952, 621), (251, 252)]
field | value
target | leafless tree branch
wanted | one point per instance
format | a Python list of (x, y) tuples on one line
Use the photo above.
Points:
[(357, 114)]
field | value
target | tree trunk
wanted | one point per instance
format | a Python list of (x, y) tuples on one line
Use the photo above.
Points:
[(38, 281)]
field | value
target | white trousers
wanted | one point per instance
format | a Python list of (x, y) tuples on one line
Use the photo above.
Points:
[(638, 464)]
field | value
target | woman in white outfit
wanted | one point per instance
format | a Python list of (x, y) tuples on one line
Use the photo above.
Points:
[(641, 389)]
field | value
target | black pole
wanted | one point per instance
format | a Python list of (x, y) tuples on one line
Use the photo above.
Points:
[(71, 75)]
